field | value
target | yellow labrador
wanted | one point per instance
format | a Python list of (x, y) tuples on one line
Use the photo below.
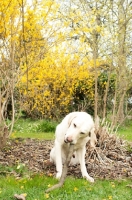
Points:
[(77, 128)]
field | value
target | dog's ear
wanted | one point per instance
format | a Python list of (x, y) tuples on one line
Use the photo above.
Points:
[(71, 117)]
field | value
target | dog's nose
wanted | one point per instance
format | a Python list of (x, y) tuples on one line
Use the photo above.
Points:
[(69, 139)]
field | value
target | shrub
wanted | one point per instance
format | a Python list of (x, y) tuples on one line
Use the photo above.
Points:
[(47, 126)]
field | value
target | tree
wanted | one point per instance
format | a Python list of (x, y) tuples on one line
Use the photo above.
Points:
[(24, 35), (123, 50), (8, 66), (85, 40), (105, 35)]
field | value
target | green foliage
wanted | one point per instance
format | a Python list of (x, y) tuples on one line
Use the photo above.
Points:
[(129, 148), (102, 82), (103, 79), (47, 126), (20, 169), (34, 126)]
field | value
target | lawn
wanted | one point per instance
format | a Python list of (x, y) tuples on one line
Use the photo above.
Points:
[(34, 185), (125, 130), (40, 129)]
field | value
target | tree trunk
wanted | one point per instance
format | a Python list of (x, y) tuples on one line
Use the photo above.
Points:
[(121, 61), (105, 96)]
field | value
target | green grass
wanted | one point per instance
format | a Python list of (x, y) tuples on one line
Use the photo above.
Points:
[(39, 129), (125, 130), (40, 135), (42, 129), (73, 189)]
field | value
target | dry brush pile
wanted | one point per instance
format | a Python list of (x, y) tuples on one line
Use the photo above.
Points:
[(111, 159)]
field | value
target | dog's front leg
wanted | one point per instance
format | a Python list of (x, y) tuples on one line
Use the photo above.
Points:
[(58, 153), (81, 156)]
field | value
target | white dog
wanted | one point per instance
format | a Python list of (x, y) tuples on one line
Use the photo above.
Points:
[(77, 128)]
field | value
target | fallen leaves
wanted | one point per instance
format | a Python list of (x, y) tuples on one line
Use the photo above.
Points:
[(21, 196)]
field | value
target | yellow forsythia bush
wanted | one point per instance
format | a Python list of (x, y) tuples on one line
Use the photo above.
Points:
[(56, 87)]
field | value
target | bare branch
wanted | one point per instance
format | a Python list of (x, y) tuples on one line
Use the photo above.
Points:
[(64, 172)]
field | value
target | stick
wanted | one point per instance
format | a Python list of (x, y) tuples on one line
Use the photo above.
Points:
[(64, 172)]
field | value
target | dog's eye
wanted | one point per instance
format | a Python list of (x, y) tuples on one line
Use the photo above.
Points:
[(82, 133), (75, 125), (89, 134)]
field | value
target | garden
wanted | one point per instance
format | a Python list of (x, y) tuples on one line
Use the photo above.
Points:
[(24, 168), (58, 57)]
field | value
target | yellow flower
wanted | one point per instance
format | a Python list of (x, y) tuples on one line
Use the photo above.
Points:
[(75, 189), (112, 184), (50, 175), (46, 196), (110, 197), (49, 186), (89, 189), (24, 194), (18, 167), (24, 181)]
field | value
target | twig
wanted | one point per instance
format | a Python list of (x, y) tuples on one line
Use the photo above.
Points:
[(21, 196), (99, 157), (64, 172), (91, 153), (130, 186)]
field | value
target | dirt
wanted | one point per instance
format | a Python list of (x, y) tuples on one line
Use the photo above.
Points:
[(112, 159)]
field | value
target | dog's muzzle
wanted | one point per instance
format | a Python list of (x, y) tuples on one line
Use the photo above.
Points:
[(70, 142)]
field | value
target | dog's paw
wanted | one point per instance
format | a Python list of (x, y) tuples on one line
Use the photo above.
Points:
[(58, 175), (89, 178)]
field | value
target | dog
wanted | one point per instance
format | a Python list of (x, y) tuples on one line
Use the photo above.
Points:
[(77, 128)]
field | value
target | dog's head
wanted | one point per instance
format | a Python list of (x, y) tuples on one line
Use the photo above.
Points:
[(80, 125)]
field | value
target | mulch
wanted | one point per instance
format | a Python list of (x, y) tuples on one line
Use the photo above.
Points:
[(112, 158)]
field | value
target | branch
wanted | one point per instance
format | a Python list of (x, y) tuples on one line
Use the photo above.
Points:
[(64, 172), (24, 44)]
